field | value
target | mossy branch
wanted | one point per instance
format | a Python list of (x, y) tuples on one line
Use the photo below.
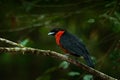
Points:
[(21, 49)]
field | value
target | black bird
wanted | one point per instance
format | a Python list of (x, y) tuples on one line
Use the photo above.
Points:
[(71, 44)]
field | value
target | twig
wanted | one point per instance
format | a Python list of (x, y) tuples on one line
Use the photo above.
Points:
[(54, 54), (10, 42), (114, 8), (23, 28)]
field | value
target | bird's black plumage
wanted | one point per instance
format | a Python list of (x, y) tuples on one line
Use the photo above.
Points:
[(74, 45)]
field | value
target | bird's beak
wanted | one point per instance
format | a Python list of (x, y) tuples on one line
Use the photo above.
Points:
[(51, 33)]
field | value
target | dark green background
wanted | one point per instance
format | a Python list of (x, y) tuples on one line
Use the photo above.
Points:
[(96, 22)]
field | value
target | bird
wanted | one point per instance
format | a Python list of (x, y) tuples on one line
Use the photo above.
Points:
[(71, 44)]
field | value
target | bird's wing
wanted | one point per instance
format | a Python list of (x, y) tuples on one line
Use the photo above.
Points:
[(73, 45)]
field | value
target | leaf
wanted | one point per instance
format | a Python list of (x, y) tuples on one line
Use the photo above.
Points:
[(64, 65), (91, 20), (73, 73), (88, 77), (24, 42)]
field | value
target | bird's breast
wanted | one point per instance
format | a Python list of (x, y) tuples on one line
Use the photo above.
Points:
[(58, 37)]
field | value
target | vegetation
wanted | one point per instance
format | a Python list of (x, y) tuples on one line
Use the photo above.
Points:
[(96, 22)]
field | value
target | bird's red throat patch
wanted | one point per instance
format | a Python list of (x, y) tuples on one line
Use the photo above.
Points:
[(58, 36)]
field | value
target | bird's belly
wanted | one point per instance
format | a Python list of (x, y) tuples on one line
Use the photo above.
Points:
[(68, 52)]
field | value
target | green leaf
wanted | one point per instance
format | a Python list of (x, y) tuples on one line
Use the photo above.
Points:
[(88, 77), (91, 20), (73, 73), (24, 42), (64, 65)]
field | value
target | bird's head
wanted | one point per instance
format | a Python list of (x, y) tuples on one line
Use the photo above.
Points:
[(55, 31)]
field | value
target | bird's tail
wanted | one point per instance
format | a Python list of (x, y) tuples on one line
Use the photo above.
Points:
[(88, 60)]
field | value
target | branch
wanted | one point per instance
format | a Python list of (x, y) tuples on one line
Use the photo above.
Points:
[(10, 42), (54, 54), (23, 28)]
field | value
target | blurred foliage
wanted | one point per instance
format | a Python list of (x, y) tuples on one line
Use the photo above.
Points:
[(87, 77), (96, 22)]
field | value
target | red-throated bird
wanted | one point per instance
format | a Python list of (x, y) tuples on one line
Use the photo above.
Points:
[(71, 44)]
